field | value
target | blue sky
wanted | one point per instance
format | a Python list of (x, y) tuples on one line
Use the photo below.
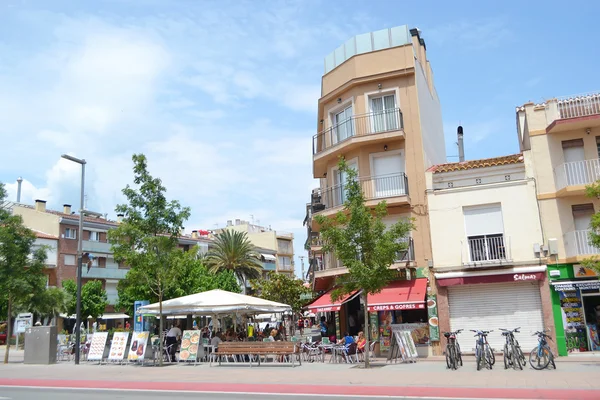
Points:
[(221, 95)]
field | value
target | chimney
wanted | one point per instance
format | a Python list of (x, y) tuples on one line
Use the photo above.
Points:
[(67, 209), (237, 221), (119, 218), (461, 146), (229, 223), (40, 205), (19, 182), (182, 231), (194, 234)]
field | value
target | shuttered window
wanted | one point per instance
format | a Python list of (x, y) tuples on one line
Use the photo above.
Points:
[(483, 220)]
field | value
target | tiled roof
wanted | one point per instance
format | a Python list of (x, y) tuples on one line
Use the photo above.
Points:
[(43, 235), (472, 164), (73, 216)]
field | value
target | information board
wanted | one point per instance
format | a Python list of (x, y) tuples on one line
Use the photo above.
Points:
[(118, 346), (137, 350), (190, 342), (97, 346)]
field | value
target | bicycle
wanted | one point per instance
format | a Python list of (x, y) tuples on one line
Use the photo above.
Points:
[(513, 355), (541, 351), (483, 351), (453, 354)]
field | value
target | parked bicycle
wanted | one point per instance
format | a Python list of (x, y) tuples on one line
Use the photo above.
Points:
[(541, 356), (484, 356), (513, 356), (453, 354)]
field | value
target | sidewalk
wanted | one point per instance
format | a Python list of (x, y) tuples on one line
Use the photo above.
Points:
[(569, 374)]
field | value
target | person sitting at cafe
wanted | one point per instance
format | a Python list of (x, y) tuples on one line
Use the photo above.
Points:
[(361, 342), (346, 340), (218, 338)]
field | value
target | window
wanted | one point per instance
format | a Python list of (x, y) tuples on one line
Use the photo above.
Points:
[(598, 146), (339, 184), (384, 115), (94, 236), (70, 233), (95, 262), (69, 259), (284, 246), (485, 233), (342, 125), (285, 262)]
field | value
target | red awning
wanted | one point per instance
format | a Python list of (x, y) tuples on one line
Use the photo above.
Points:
[(400, 295), (325, 304)]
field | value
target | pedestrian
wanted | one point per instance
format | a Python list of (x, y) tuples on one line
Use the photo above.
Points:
[(323, 326), (172, 338)]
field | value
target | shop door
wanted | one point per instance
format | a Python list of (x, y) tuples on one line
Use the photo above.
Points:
[(493, 306)]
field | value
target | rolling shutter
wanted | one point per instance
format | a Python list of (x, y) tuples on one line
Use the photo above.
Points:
[(483, 220), (493, 306)]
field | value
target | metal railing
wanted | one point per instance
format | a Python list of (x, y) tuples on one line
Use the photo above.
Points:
[(373, 187), (577, 173), (358, 125), (579, 106), (488, 248), (577, 243), (409, 253)]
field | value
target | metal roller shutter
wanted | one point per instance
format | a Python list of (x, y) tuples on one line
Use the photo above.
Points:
[(493, 306)]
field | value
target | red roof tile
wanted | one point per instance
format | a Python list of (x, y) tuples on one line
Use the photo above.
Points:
[(43, 235), (472, 164)]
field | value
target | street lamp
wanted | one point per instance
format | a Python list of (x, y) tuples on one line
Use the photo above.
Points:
[(79, 258)]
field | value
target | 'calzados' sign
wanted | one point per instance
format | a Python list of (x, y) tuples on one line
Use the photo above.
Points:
[(525, 277)]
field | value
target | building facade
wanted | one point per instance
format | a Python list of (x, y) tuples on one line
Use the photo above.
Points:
[(279, 242), (379, 110), (562, 138), (486, 235)]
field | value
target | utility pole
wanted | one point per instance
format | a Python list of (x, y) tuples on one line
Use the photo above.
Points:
[(302, 266)]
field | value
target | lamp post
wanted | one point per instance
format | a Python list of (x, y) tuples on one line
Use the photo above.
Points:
[(79, 257)]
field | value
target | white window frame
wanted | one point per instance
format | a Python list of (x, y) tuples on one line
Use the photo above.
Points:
[(70, 255), (96, 234), (372, 156), (335, 169), (71, 230), (381, 93), (333, 111)]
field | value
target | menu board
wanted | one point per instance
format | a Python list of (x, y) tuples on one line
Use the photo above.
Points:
[(118, 346), (138, 346), (432, 312), (97, 346), (189, 346)]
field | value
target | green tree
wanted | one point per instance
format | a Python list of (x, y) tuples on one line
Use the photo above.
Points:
[(21, 264), (93, 298), (147, 239), (359, 238), (49, 303), (593, 191), (193, 277), (283, 289), (233, 251)]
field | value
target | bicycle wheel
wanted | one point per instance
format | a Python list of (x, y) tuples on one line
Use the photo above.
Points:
[(492, 356), (505, 357), (488, 357), (449, 357), (515, 358), (458, 356), (551, 357), (539, 361), (521, 355)]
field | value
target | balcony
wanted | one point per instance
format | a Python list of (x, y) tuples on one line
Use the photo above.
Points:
[(287, 235), (572, 177), (573, 112), (577, 243), (104, 273), (487, 250), (358, 129), (269, 266), (374, 188), (96, 247)]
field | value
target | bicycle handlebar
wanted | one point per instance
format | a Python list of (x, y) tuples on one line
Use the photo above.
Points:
[(516, 330)]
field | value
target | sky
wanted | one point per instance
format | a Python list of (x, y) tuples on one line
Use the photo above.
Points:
[(221, 96)]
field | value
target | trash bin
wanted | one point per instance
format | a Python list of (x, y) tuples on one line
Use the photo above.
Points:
[(40, 345)]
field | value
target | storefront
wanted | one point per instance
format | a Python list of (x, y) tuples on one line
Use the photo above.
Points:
[(492, 299), (576, 308)]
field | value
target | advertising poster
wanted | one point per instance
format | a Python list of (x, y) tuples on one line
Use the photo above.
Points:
[(338, 333), (592, 332), (118, 346), (572, 311), (138, 346), (140, 323), (374, 326), (97, 346), (386, 320), (432, 312), (410, 344), (189, 346), (580, 271), (418, 330)]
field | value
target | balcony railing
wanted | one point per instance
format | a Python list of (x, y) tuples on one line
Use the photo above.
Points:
[(358, 125), (488, 249), (374, 187), (409, 253), (577, 243), (96, 247), (579, 106), (104, 273), (577, 173)]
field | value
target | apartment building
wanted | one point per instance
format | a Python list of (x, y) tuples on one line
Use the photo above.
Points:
[(379, 110), (490, 270), (279, 245), (562, 136)]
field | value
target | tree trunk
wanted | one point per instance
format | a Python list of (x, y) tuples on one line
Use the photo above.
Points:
[(367, 330), (8, 330), (160, 330), (244, 285)]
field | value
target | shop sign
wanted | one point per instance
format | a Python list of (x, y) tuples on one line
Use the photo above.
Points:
[(394, 307), (571, 286), (572, 312), (328, 309), (524, 277), (432, 313), (580, 271)]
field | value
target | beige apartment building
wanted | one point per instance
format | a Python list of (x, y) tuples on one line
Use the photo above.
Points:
[(275, 247), (380, 111), (562, 136)]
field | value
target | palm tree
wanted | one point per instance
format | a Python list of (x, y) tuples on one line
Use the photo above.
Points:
[(233, 251)]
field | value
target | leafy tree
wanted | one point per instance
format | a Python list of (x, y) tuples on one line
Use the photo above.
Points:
[(358, 237), (283, 289), (593, 191), (49, 303), (93, 298), (193, 277), (21, 264), (147, 238), (233, 251)]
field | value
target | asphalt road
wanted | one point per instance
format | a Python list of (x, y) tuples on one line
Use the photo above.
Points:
[(8, 393)]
